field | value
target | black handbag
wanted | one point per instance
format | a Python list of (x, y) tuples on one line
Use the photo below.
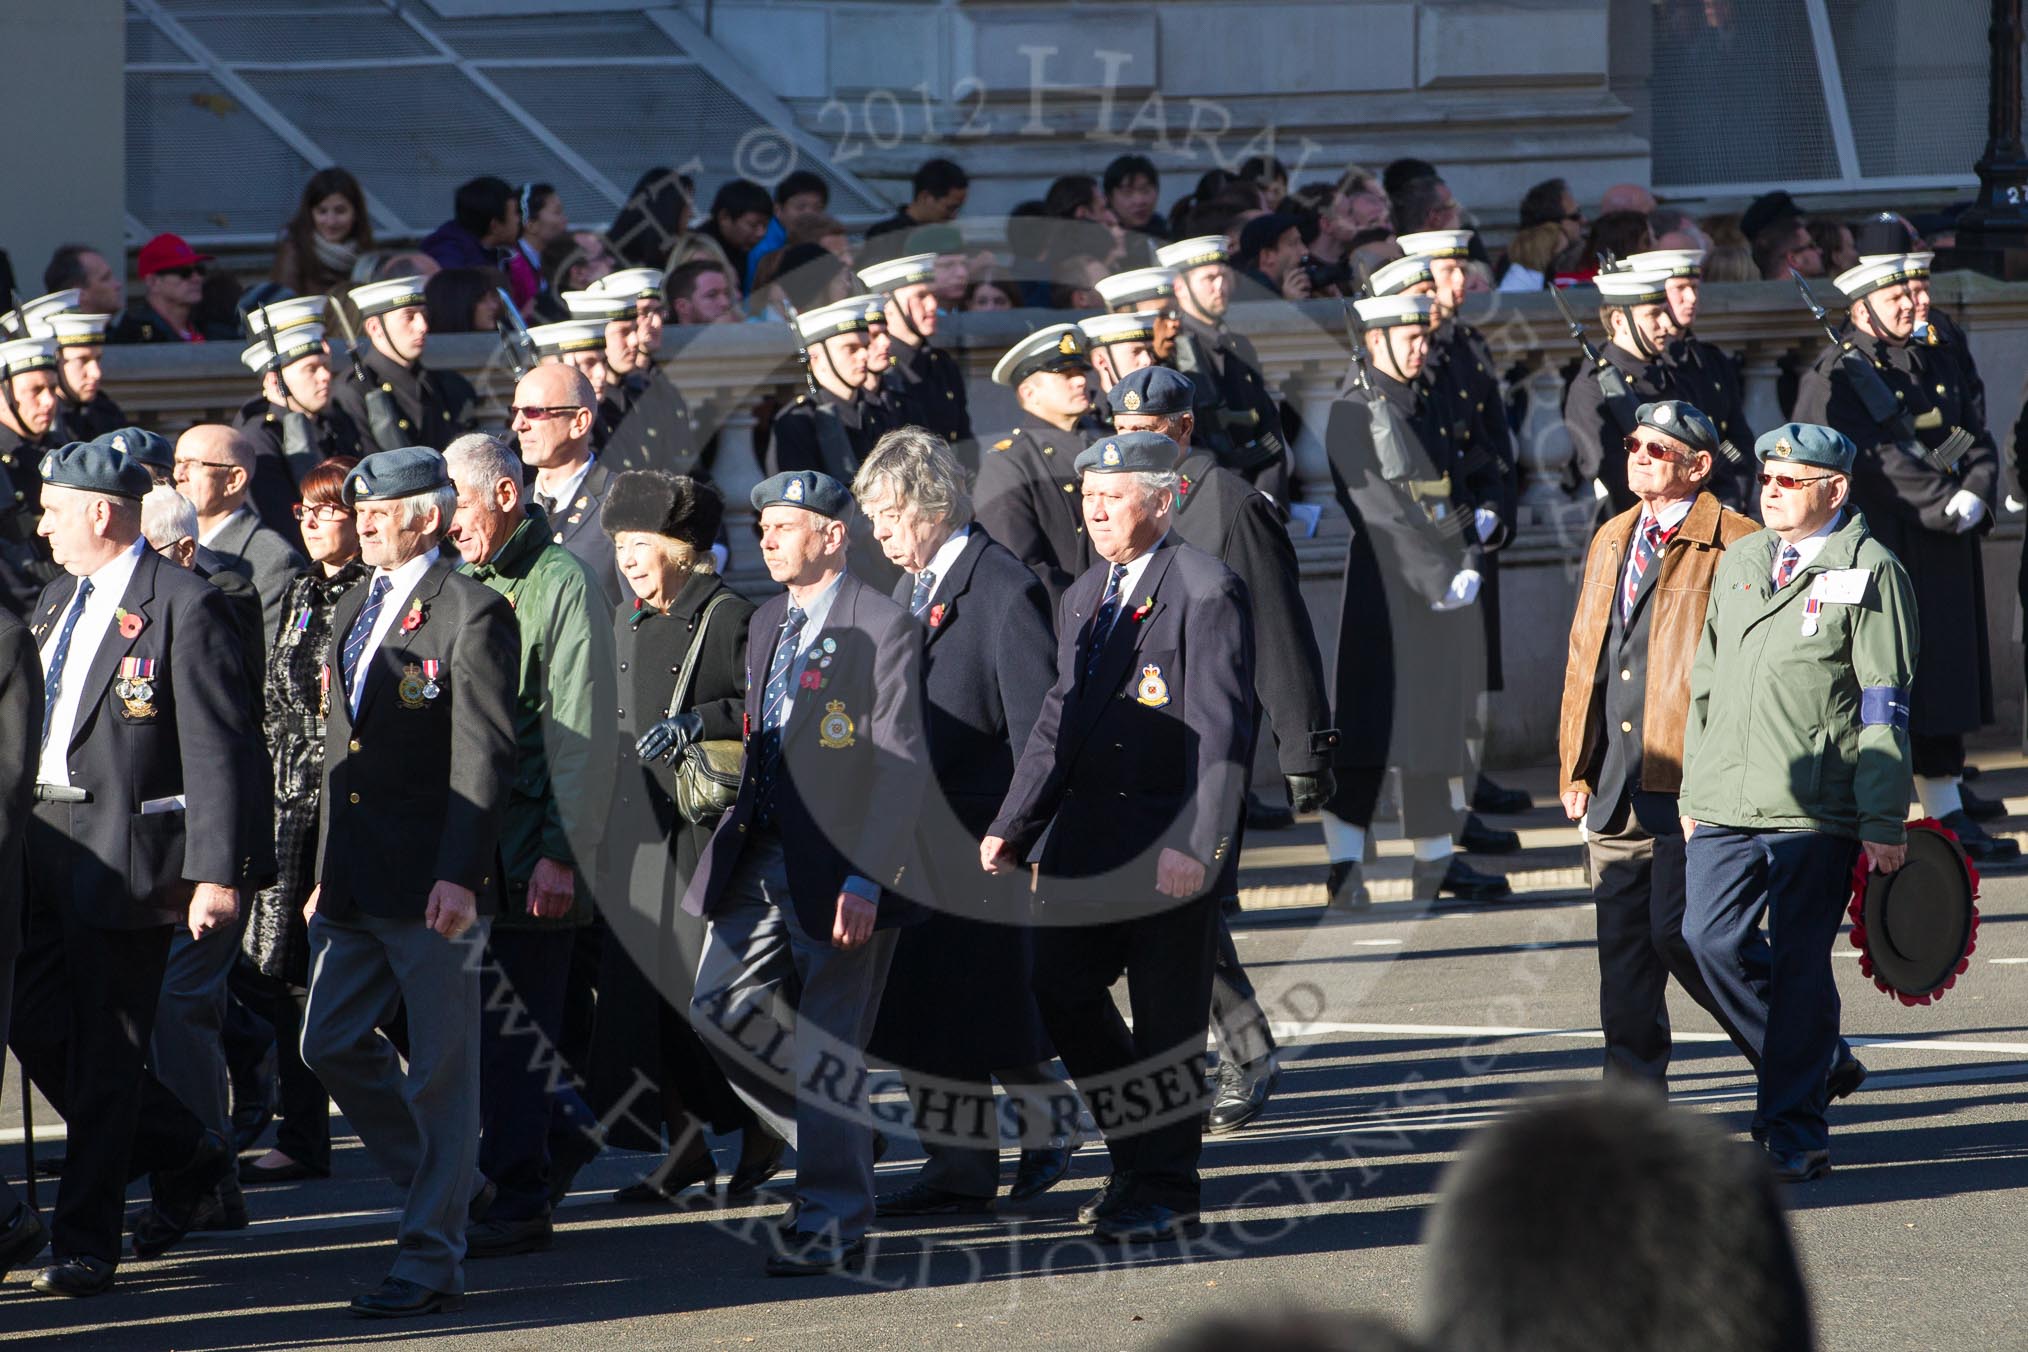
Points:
[(707, 773)]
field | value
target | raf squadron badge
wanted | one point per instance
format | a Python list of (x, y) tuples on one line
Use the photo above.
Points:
[(412, 687), (136, 686), (1153, 691), (835, 732)]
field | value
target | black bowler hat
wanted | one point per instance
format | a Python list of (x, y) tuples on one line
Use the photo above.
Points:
[(94, 468), (399, 473), (1915, 928)]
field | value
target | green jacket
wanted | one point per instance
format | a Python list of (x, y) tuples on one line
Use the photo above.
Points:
[(563, 714), (1795, 731)]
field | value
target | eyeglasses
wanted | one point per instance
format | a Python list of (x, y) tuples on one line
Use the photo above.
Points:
[(1790, 481), (537, 412), (192, 466), (319, 511), (1668, 455), (186, 273)]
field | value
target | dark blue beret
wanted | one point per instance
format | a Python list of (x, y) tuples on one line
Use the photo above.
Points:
[(400, 473), (1156, 390), (138, 443), (1129, 453), (96, 469), (805, 488), (1806, 444), (1682, 421)]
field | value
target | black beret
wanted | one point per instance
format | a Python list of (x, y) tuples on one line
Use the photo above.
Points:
[(656, 502), (399, 473), (1129, 453), (1156, 390), (1680, 420), (96, 469), (138, 443), (805, 488)]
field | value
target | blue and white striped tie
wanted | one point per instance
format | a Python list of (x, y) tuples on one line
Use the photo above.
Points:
[(362, 629), (773, 697)]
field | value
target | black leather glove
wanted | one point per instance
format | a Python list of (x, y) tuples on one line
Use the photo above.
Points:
[(670, 736), (1309, 793)]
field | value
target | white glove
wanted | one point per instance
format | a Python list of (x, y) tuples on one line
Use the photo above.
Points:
[(1487, 521), (1464, 590), (2013, 505), (1968, 507), (1599, 490)]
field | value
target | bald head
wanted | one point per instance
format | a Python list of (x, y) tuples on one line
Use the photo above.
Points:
[(552, 384), (555, 410), (1626, 197), (214, 469)]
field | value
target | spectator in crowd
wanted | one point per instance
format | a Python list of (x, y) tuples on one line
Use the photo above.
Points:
[(653, 224), (989, 291), (800, 196), (99, 286), (1835, 248), (936, 194), (1766, 210), (1400, 173), (326, 236), (1786, 243), (1209, 184), (701, 292), (1270, 247), (485, 223), (463, 300), (1271, 175), (740, 214), (1133, 189), (1626, 197), (388, 267), (1329, 239), (1731, 256), (1091, 226), (1424, 204), (1675, 228), (953, 276), (172, 281), (798, 278), (565, 267), (1685, 1218), (1551, 223), (1615, 236), (1074, 283), (543, 223), (214, 469)]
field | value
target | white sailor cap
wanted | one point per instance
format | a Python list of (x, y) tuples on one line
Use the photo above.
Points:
[(1437, 243), (851, 315), (379, 298), (76, 330), (1131, 327), (297, 342), (1060, 347), (1885, 271), (1386, 312), (895, 273), (1185, 254), (286, 314), (1139, 284), (569, 335), (1391, 279), (27, 321), (1668, 262), (1632, 288), (1918, 263), (604, 306), (633, 283), (22, 355)]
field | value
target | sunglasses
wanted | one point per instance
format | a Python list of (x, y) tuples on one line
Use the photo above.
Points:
[(1790, 481), (1668, 455), (537, 412), (320, 511), (186, 273)]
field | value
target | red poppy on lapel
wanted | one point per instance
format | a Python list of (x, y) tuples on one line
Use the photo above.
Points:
[(936, 615), (131, 623), (1142, 613), (413, 620)]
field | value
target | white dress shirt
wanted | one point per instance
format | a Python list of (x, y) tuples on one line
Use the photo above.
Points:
[(1670, 516), (1135, 572), (401, 583), (565, 493), (1809, 547), (206, 537), (109, 589), (946, 558)]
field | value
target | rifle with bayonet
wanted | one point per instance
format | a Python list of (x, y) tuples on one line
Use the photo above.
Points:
[(1620, 404), (383, 423), (522, 354), (1392, 439), (1879, 401)]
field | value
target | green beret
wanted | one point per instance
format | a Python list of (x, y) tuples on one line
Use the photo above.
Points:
[(93, 468), (1156, 390), (805, 488), (139, 444), (1129, 453), (1806, 444), (399, 473)]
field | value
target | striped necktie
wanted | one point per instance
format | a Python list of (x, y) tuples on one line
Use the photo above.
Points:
[(53, 682), (919, 599), (1790, 559), (774, 697), (362, 629), (1648, 542), (1102, 620)]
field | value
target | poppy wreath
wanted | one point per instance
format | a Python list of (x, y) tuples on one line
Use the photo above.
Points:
[(1856, 909)]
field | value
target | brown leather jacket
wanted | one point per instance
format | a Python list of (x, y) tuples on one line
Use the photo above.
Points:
[(1674, 629)]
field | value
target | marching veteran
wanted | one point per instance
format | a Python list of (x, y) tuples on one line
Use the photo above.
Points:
[(1795, 759)]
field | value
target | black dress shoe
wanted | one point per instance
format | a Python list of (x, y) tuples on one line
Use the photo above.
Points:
[(1110, 1197), (1265, 816), (76, 1277), (814, 1256), (670, 1180), (1243, 1091), (1041, 1168), (1146, 1223), (1981, 809), (504, 1238), (760, 1159), (568, 1154), (51, 1166), (1799, 1166), (1455, 878), (21, 1239), (1500, 802), (398, 1298), (1845, 1077), (224, 1209), (1345, 888), (1980, 847), (253, 1174), (249, 1120), (920, 1199), (1479, 838), (180, 1193), (482, 1201)]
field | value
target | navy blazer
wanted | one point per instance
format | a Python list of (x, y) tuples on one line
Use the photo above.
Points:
[(264, 557), (415, 791), (20, 726), (853, 763), (1153, 751), (194, 738)]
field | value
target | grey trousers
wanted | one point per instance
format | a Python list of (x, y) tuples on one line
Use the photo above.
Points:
[(187, 1051), (422, 1127), (787, 1016), (960, 1132)]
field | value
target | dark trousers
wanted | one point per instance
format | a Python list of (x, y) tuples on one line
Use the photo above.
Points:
[(1937, 755), (1638, 885), (959, 1126), (1238, 1024), (1426, 809), (1800, 881), (641, 1036), (304, 1133), (1146, 1084), (84, 1006), (522, 986)]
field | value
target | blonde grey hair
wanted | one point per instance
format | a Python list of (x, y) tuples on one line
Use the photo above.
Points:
[(487, 457), (167, 516), (444, 499), (917, 466)]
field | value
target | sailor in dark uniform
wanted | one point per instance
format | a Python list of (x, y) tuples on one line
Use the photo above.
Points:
[(598, 339), (1120, 345), (1237, 418), (1027, 496), (1707, 375), (1634, 307), (28, 431), (924, 383), (1148, 291), (650, 425), (392, 398), (293, 424), (87, 410)]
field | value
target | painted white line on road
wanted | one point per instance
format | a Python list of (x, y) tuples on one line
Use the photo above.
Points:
[(1374, 943), (1286, 1029), (2007, 962)]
